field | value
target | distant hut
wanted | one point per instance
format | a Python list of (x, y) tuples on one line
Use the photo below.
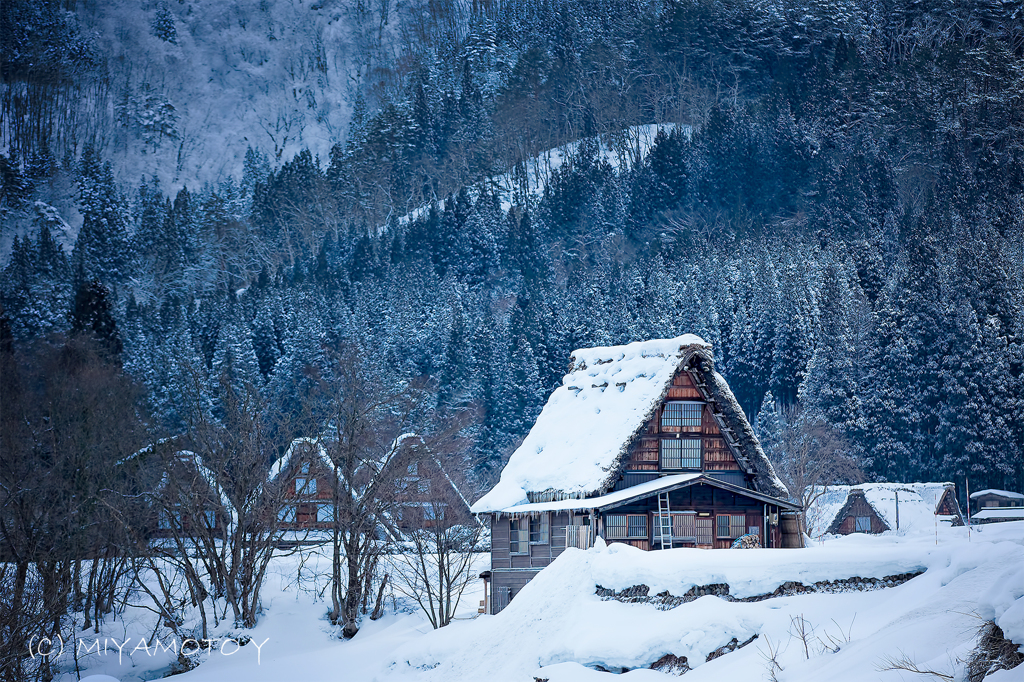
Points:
[(997, 505), (880, 507)]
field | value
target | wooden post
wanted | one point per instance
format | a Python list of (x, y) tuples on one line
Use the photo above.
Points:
[(967, 482), (897, 510)]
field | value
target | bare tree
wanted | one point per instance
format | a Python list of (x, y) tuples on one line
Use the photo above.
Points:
[(217, 517), (809, 455), (365, 416), (436, 564), (67, 415)]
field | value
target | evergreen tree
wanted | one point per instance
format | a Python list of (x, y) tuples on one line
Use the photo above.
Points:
[(92, 313), (101, 250)]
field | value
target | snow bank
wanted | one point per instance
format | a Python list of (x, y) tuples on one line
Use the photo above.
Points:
[(558, 628), (607, 396)]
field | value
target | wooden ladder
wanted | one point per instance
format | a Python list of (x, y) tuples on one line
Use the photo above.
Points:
[(665, 520)]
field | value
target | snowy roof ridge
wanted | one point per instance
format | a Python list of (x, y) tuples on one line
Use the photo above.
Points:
[(284, 462), (580, 440)]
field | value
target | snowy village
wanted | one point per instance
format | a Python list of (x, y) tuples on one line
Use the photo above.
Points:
[(511, 340)]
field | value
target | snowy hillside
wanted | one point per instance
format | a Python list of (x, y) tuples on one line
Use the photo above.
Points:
[(207, 79), (558, 628)]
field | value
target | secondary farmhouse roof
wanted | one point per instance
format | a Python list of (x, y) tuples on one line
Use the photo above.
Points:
[(919, 503), (1000, 493), (577, 445)]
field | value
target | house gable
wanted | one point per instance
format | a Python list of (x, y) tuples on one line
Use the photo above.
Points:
[(683, 416), (850, 518)]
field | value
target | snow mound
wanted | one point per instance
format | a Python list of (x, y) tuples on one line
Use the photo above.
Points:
[(557, 628)]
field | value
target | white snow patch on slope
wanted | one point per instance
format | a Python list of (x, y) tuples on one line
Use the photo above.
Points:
[(622, 150), (588, 420)]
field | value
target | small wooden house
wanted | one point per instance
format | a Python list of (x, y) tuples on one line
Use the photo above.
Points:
[(880, 507), (643, 444), (306, 476), (187, 501), (425, 494), (995, 499), (991, 505)]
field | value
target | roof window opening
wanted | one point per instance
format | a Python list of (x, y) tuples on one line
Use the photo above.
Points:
[(679, 414), (680, 453), (863, 524)]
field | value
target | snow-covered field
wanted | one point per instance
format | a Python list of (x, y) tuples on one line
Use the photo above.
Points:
[(559, 629)]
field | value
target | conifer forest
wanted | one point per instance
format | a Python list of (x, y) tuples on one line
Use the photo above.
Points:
[(831, 193)]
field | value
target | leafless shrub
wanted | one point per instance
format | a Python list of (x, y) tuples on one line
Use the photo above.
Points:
[(906, 663), (770, 653)]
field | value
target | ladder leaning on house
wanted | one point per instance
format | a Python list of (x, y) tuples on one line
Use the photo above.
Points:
[(665, 521)]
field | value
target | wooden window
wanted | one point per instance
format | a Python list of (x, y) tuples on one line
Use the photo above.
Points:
[(413, 469), (680, 453), (677, 414), (287, 514), (731, 526), (539, 530), (305, 486), (863, 524), (210, 519), (423, 486), (501, 596), (626, 526), (518, 537), (304, 468), (325, 513)]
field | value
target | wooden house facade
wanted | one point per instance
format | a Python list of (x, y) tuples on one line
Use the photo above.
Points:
[(421, 492), (187, 501), (994, 506), (645, 445), (307, 480)]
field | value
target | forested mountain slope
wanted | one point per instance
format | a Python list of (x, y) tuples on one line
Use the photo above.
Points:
[(843, 222)]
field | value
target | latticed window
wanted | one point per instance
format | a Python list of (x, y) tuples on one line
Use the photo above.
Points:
[(539, 530), (680, 453), (731, 526), (676, 414), (863, 524), (626, 526), (325, 513), (519, 537), (703, 527), (305, 486)]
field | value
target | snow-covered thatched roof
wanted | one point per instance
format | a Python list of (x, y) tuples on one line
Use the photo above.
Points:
[(300, 447), (579, 441), (918, 504)]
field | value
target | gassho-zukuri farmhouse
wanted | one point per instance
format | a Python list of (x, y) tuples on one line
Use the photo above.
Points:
[(642, 444)]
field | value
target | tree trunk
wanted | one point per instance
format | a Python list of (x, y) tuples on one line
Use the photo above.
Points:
[(378, 607)]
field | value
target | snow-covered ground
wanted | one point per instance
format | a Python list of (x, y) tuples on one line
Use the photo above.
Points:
[(559, 629)]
